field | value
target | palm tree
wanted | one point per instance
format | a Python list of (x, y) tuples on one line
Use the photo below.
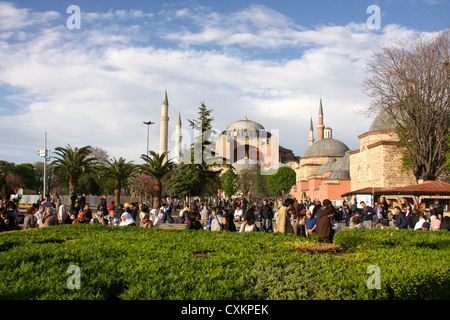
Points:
[(73, 163), (120, 171), (157, 167)]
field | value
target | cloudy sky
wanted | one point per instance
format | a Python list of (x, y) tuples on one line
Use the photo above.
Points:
[(271, 60)]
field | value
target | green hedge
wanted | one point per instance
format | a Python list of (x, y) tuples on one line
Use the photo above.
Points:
[(136, 263)]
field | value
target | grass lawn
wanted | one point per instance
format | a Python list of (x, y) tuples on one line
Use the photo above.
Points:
[(134, 263)]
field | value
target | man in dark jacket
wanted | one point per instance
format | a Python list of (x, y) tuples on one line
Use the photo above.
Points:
[(400, 220), (266, 216), (368, 214)]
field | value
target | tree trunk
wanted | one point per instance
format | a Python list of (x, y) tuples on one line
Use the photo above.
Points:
[(73, 185), (117, 189), (157, 198)]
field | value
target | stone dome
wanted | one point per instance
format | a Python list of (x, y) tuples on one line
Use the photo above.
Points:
[(245, 125), (384, 121), (340, 168), (326, 148)]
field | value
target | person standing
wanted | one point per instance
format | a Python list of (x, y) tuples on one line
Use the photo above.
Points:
[(82, 201), (284, 218), (40, 200), (325, 223), (266, 216), (167, 216), (368, 214), (217, 220), (310, 223)]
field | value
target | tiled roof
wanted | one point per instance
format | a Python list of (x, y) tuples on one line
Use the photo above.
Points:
[(425, 188)]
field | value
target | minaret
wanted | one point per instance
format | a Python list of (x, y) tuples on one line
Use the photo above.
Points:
[(311, 133), (320, 126), (164, 126), (178, 139)]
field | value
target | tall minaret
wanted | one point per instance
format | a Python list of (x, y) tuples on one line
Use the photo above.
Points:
[(164, 125), (320, 126), (178, 139), (311, 133)]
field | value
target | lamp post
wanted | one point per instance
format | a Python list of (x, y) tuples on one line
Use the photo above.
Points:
[(148, 123)]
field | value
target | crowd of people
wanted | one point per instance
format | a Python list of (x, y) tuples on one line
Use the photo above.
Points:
[(234, 215), (406, 216)]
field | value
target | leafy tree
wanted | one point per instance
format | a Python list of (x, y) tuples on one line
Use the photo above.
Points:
[(157, 167), (204, 126), (26, 172), (73, 163), (197, 177), (281, 181), (119, 171), (261, 184), (410, 82), (246, 179), (228, 182), (6, 168), (183, 181)]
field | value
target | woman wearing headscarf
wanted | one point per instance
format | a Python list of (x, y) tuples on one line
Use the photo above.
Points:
[(81, 218), (155, 218), (144, 220), (49, 218), (127, 220), (435, 223), (63, 216)]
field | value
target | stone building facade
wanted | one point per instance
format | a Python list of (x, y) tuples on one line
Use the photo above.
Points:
[(378, 162)]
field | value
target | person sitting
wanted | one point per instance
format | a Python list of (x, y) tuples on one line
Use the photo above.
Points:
[(127, 220), (81, 218), (194, 222), (356, 223), (418, 225), (155, 218), (49, 218), (228, 222), (144, 220), (248, 223), (425, 226)]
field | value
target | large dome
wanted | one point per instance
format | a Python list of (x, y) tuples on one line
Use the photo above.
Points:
[(327, 148), (245, 125)]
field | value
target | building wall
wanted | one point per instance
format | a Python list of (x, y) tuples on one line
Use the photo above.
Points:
[(317, 187), (378, 162), (307, 167)]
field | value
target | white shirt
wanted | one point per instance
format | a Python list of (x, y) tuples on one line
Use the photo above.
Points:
[(237, 213), (156, 222), (247, 228), (419, 224)]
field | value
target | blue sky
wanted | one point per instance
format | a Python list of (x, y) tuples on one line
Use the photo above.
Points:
[(271, 60)]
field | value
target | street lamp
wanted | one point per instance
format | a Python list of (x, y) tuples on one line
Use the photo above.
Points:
[(148, 123)]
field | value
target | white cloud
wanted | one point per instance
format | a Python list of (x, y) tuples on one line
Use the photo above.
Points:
[(97, 87), (13, 18)]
